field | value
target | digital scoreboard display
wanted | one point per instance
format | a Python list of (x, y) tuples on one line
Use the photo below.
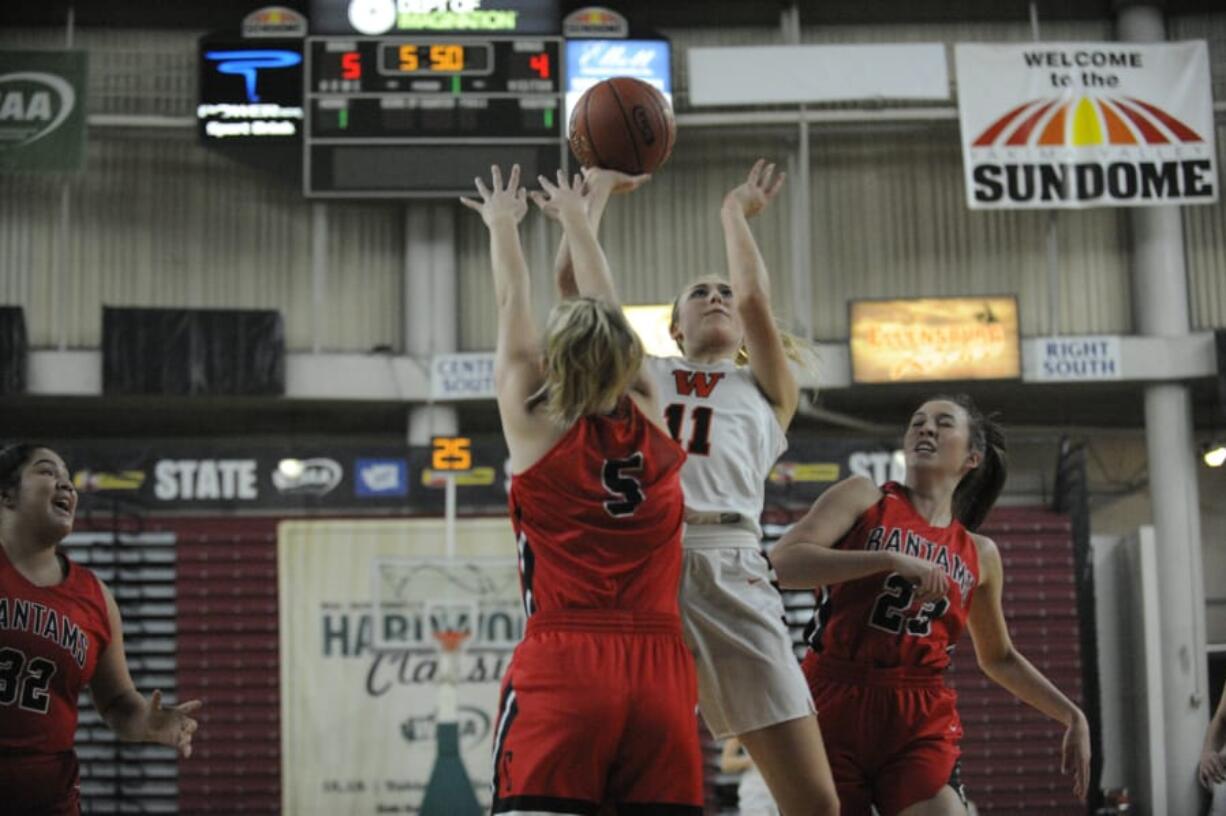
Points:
[(421, 116)]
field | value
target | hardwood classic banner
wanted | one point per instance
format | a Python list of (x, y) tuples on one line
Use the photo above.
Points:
[(365, 683), (1074, 125)]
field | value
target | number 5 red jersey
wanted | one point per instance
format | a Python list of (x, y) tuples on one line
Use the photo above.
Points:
[(50, 641), (598, 519), (873, 620)]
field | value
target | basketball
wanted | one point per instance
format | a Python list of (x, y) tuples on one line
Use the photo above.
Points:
[(623, 124)]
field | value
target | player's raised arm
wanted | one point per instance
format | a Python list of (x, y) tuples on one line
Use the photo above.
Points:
[(517, 354), (567, 203), (751, 288), (601, 184)]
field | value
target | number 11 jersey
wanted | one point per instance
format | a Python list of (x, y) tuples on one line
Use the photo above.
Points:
[(719, 415), (872, 620)]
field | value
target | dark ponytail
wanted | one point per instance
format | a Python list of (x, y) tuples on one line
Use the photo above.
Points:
[(12, 459), (980, 488)]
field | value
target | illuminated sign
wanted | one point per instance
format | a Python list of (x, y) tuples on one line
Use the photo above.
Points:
[(246, 63), (933, 339), (595, 21), (591, 61), (451, 453), (651, 323), (378, 17), (250, 94), (274, 21), (422, 116)]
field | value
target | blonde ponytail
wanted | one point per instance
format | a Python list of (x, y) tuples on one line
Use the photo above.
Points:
[(592, 355)]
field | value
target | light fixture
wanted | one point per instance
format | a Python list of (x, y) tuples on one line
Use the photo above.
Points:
[(1214, 453), (290, 468)]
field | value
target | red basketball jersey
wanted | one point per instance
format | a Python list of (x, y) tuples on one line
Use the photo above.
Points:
[(598, 519), (50, 641), (873, 620)]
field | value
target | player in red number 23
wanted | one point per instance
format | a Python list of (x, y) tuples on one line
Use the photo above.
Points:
[(902, 573)]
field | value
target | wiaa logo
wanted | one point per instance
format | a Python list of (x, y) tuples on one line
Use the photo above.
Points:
[(33, 104), (1085, 122), (318, 477)]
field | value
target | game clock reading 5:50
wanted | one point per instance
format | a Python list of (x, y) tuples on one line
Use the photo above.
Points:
[(434, 58)]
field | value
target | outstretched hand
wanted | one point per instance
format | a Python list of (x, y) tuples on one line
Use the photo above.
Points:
[(500, 203), (759, 189), (172, 726), (566, 197), (600, 178), (1075, 756)]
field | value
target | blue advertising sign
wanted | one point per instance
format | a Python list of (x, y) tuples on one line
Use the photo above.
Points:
[(591, 61), (381, 478)]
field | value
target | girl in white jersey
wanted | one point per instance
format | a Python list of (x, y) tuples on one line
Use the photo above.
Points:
[(732, 419)]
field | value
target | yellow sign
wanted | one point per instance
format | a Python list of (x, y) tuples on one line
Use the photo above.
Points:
[(453, 453), (932, 339), (89, 481), (788, 472), (483, 476)]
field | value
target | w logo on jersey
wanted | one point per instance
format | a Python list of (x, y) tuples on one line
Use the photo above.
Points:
[(700, 382)]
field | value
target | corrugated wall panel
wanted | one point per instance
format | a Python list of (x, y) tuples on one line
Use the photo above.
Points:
[(164, 222), (365, 277), (1212, 29), (889, 219), (1204, 236), (158, 220), (147, 72), (657, 239)]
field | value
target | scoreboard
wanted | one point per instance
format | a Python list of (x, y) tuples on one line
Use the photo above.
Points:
[(402, 116)]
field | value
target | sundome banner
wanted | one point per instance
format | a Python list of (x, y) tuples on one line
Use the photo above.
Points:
[(1100, 124)]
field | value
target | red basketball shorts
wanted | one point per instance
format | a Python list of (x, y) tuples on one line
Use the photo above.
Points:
[(891, 735), (598, 708), (39, 784)]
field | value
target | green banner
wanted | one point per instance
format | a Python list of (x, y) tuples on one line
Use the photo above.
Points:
[(42, 111)]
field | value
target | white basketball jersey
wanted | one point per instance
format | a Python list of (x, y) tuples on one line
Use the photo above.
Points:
[(725, 423)]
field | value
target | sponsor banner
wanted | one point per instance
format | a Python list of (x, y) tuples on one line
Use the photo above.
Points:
[(42, 111), (343, 479), (595, 21), (274, 21), (473, 17), (381, 478), (796, 74), (1073, 359), (934, 339), (590, 61), (362, 604), (250, 92), (462, 376), (1072, 125)]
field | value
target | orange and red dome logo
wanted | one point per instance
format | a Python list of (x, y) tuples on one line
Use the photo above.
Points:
[(1087, 121)]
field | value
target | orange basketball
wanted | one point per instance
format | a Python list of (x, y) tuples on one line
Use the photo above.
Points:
[(623, 124)]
